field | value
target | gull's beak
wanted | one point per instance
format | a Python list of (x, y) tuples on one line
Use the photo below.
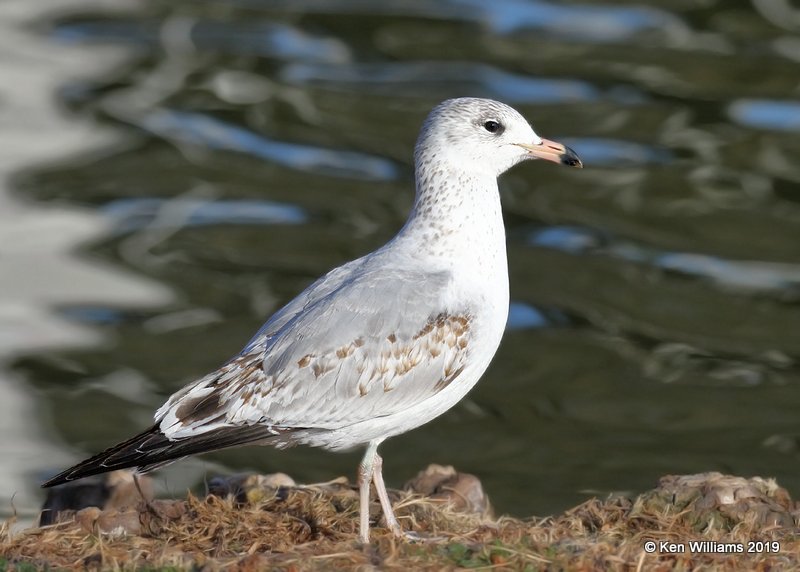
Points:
[(553, 151)]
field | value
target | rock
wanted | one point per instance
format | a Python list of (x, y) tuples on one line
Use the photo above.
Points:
[(154, 514), (116, 522), (167, 509), (249, 487), (714, 500), (462, 491), (115, 490), (87, 517)]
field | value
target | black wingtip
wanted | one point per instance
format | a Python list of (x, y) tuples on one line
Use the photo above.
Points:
[(152, 449), (122, 456)]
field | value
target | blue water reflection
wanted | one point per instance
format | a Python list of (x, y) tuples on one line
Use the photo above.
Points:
[(766, 114), (524, 316), (578, 22), (412, 77), (599, 151), (134, 213), (263, 39), (199, 129), (98, 315), (744, 275)]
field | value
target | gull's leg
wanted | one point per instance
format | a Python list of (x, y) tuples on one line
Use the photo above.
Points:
[(365, 472), (386, 505)]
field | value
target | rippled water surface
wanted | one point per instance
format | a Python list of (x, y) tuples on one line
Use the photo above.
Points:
[(249, 146)]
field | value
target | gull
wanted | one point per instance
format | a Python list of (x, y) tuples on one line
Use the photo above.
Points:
[(379, 345)]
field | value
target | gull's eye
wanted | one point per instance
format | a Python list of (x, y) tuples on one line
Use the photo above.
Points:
[(493, 127)]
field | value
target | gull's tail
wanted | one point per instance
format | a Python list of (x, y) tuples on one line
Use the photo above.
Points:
[(152, 449)]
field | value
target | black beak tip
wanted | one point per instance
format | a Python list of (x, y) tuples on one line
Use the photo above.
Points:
[(571, 159)]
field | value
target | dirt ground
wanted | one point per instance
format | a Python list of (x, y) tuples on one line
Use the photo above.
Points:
[(707, 522)]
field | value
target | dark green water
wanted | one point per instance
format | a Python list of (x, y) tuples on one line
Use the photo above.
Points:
[(655, 326)]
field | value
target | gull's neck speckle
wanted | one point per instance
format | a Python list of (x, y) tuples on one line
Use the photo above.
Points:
[(456, 219)]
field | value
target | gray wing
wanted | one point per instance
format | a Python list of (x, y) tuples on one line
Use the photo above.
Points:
[(319, 289), (366, 344)]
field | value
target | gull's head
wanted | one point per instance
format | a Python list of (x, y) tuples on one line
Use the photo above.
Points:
[(486, 136)]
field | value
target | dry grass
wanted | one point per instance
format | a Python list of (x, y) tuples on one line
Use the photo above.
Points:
[(315, 528)]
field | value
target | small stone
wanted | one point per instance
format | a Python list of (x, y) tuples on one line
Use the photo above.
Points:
[(115, 490), (95, 521), (118, 523), (154, 514), (249, 487), (168, 509), (463, 491), (87, 517)]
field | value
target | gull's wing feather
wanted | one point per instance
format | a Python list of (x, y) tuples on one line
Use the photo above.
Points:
[(368, 344), (318, 289), (355, 345), (151, 449)]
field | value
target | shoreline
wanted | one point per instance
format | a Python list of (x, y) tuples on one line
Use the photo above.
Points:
[(254, 522)]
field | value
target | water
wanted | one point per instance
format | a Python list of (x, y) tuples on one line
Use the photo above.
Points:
[(202, 162)]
